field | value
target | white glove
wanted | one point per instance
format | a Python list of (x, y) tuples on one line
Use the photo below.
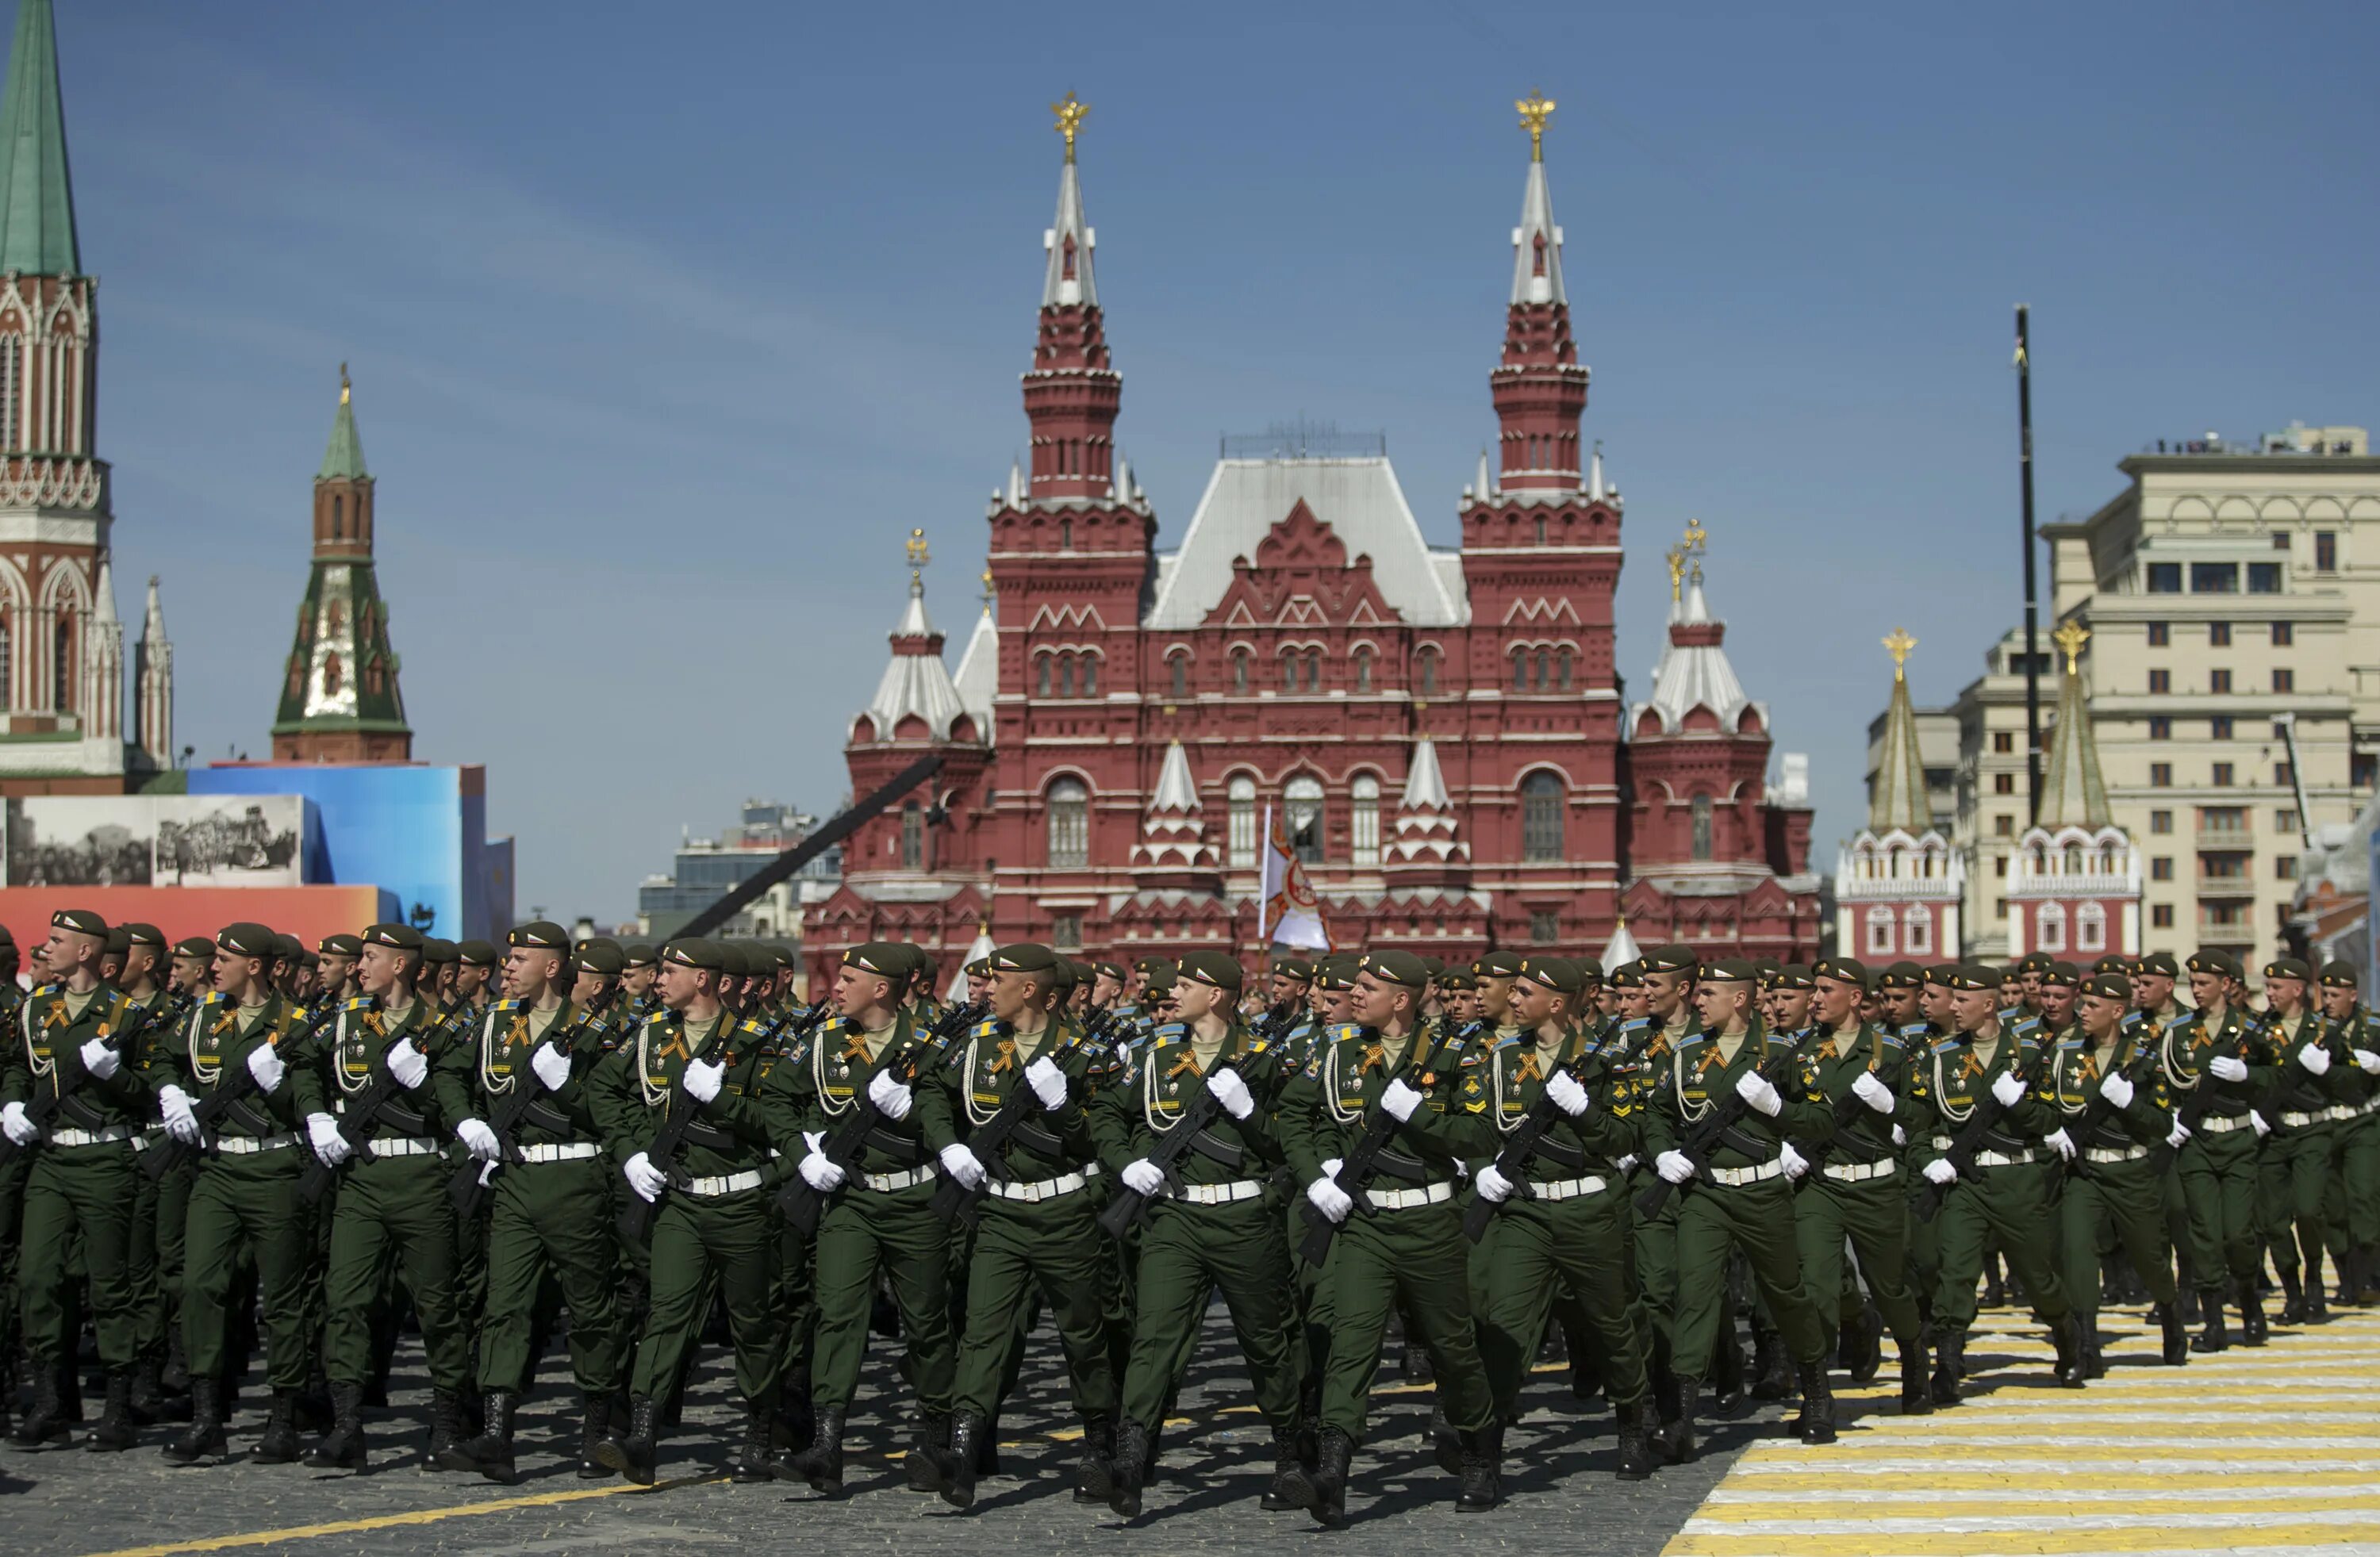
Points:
[(647, 1181), (1330, 1166), (1567, 1094), (2256, 1122), (2117, 1089), (2008, 1088), (1794, 1164), (820, 1173), (1493, 1186), (1400, 1100), (1758, 1092), (1675, 1167), (481, 1142), (173, 1108), (488, 1173), (1233, 1094), (1873, 1092), (104, 1062), (2176, 1136), (703, 1077), (19, 1126), (1329, 1200), (2060, 1142), (1141, 1177), (2229, 1068), (891, 1096), (1628, 1162), (266, 1065), (962, 1165), (408, 1064), (552, 1066), (1900, 1136), (329, 1144), (2369, 1061), (1048, 1082), (1939, 1171), (2313, 1057)]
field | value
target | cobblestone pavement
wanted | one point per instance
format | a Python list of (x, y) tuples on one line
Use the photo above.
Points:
[(1217, 1460)]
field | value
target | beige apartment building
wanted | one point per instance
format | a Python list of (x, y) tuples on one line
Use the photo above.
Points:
[(2233, 597)]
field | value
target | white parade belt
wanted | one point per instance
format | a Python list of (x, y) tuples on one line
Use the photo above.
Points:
[(728, 1183), (1221, 1194), (1042, 1189), (1734, 1177), (885, 1183), (1405, 1200), (107, 1137), (568, 1152), (2114, 1153), (2007, 1159), (400, 1146), (1859, 1172), (2299, 1121), (2216, 1124), (1570, 1188), (243, 1145)]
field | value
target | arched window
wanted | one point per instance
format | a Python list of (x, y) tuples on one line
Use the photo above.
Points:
[(1702, 827), (913, 837), (1065, 675), (7, 643), (1240, 807), (1363, 818), (1070, 825), (62, 664), (1041, 675), (1541, 529), (2090, 928), (1090, 675), (2049, 927), (334, 675), (1178, 670), (1562, 670), (1542, 818), (1362, 669), (12, 392), (1879, 931), (1239, 670), (338, 516), (1539, 664), (1917, 933), (1065, 535), (1314, 670), (1303, 795), (1426, 668), (1520, 671)]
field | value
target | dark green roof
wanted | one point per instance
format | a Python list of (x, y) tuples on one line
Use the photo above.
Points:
[(344, 460), (37, 222), (341, 673)]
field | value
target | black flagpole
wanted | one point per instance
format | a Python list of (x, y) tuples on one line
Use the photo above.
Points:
[(2032, 609)]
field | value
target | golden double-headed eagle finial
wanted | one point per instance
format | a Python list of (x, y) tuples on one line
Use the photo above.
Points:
[(1536, 109), (2071, 639), (1069, 113), (917, 550), (1898, 644)]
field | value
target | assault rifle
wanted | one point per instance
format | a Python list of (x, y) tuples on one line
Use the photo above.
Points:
[(678, 1117), (801, 1204), (2201, 1098), (363, 1111), (1704, 1140), (1354, 1177), (954, 1202), (1521, 1142), (1981, 1120), (1848, 1109), (465, 1189), (2099, 1110), (1184, 1134), (231, 1093), (71, 1076)]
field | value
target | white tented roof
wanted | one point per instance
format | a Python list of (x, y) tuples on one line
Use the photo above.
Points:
[(978, 675), (1358, 497), (1694, 676)]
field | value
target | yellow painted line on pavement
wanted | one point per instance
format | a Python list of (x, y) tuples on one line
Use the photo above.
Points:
[(2072, 1480), (1988, 1543), (2133, 1508), (398, 1521)]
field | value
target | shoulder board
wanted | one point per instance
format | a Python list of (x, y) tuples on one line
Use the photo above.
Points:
[(2181, 1020), (507, 1006), (1172, 1033), (2028, 1040), (988, 1028), (2074, 1042), (360, 1003), (1943, 1045), (211, 997), (751, 1027), (1636, 1024), (1915, 1030), (1258, 1046), (1891, 1040), (1343, 1032)]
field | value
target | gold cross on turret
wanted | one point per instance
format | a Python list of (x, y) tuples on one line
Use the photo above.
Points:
[(344, 391), (1898, 645), (917, 555), (2070, 638), (1070, 119), (988, 590), (1676, 555), (1536, 109)]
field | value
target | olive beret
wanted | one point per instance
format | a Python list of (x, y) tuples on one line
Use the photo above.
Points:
[(1733, 970), (197, 947), (1975, 976), (2108, 986), (2221, 963), (1152, 966), (1459, 979), (1903, 974), (1024, 957), (2336, 974), (1947, 974), (882, 957), (542, 934), (1296, 968), (2111, 964), (1628, 975), (1401, 968), (84, 922), (341, 944), (601, 957), (1557, 973), (1220, 968), (437, 949), (402, 937), (118, 942), (247, 939), (2287, 968), (692, 952), (1794, 975), (1671, 960), (288, 947), (1337, 971), (1843, 969), (2065, 976), (2158, 964), (2033, 962), (640, 954), (1498, 965), (979, 969), (1109, 970)]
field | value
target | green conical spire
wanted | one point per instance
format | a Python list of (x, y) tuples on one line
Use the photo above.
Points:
[(344, 460), (37, 222), (2073, 792), (1899, 799)]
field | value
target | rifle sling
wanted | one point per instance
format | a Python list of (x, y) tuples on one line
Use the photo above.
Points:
[(1558, 1153), (546, 1117), (709, 1137), (1214, 1148), (904, 1149), (1397, 1165), (75, 1112), (244, 1114), (1036, 1140)]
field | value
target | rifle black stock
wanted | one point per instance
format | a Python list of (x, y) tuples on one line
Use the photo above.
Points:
[(71, 1076), (1704, 1140), (230, 1092), (464, 1189), (801, 1204), (1987, 1114)]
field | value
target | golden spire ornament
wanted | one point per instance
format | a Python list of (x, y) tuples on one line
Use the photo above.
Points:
[(1070, 119), (344, 388), (917, 555), (1898, 645), (1536, 109), (2071, 639), (1677, 556)]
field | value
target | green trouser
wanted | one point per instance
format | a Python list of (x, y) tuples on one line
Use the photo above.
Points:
[(1538, 1245), (173, 1230), (1412, 1260), (79, 1194), (2359, 1176), (634, 1303), (247, 1202), (2012, 1207), (695, 1241), (1873, 1215), (392, 1209), (149, 1300), (12, 1247), (2218, 1181), (1713, 1220), (2295, 1168), (861, 1231), (791, 1301), (1055, 1245), (2126, 1198), (470, 1264), (1237, 1250), (551, 1218), (1655, 1248)]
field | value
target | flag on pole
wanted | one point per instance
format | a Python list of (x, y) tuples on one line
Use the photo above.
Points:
[(1287, 908)]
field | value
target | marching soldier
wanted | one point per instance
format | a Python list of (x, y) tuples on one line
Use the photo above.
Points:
[(2355, 1224), (335, 972), (639, 966), (474, 979), (2211, 1050), (2312, 1074)]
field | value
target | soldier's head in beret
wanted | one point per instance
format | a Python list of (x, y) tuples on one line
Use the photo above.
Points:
[(2114, 962), (2154, 977), (598, 963), (1146, 971), (388, 956), (243, 962), (2286, 978), (685, 973), (1109, 979), (2212, 973), (1291, 978), (194, 965), (1839, 990), (2339, 993), (2054, 990), (535, 956), (1546, 991), (1389, 988), (2101, 1002), (439, 952), (1976, 994), (1898, 986), (870, 983), (1207, 984), (111, 954), (1786, 995), (1668, 971), (144, 954), (1727, 993), (77, 938), (643, 966)]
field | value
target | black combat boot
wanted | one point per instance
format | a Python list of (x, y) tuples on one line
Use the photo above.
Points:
[(1483, 1470), (987, 1449), (7, 1393), (1816, 1422), (594, 1425), (928, 1464), (490, 1453), (46, 1425), (279, 1445), (632, 1454), (967, 1434), (1127, 1471), (148, 1397), (115, 1431), (175, 1377), (750, 1461), (797, 1420), (206, 1442), (1675, 1439), (2317, 1303), (1091, 1480), (1728, 1376), (343, 1447), (448, 1425), (2252, 1328), (1290, 1489), (821, 1465), (2066, 1335), (1329, 1479), (1772, 1367), (2095, 1362), (1636, 1460), (2216, 1336), (2176, 1338), (1445, 1443), (1949, 1362), (1916, 1392), (2293, 1303), (1871, 1356)]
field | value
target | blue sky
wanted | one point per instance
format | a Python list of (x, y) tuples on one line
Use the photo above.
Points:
[(668, 323)]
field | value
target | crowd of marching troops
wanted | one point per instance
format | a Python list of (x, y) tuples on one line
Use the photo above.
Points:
[(227, 1150)]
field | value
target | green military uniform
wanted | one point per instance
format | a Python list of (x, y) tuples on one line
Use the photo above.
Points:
[(2217, 1171), (1656, 1236), (2312, 1080), (79, 1190), (2354, 1213), (12, 1201), (155, 1022), (1410, 1253)]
